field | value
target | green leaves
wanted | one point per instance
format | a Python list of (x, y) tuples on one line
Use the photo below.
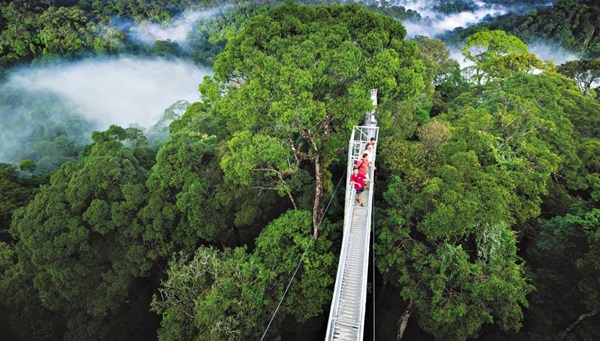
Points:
[(291, 85), (231, 294), (475, 173), (455, 291), (80, 238), (181, 207), (584, 72), (566, 242), (497, 55)]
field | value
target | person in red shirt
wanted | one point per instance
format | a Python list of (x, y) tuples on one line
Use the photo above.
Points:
[(358, 180), (363, 165)]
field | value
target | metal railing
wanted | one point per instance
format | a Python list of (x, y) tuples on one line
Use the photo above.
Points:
[(356, 146)]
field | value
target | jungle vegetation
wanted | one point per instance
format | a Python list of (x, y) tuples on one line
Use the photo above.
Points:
[(488, 179)]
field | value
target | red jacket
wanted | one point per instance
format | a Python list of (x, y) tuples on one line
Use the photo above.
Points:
[(363, 166), (359, 181)]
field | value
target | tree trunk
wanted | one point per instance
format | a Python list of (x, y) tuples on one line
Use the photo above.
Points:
[(318, 206), (403, 321), (574, 324)]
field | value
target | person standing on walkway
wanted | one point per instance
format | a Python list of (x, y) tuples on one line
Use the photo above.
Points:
[(363, 165), (370, 143), (358, 180), (370, 151)]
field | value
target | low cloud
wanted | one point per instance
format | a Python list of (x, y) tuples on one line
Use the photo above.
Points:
[(176, 31), (434, 23), (120, 91), (552, 52)]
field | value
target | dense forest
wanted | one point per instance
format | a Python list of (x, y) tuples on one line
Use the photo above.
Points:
[(487, 212)]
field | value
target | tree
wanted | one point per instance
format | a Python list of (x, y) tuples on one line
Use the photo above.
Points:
[(182, 207), (466, 186), (567, 299), (498, 55), (232, 294), (444, 72), (28, 166), (437, 58), (291, 85), (80, 240), (15, 192), (215, 295), (63, 31), (584, 72), (463, 273)]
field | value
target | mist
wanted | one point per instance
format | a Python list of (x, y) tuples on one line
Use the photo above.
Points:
[(551, 52), (434, 23), (71, 100), (121, 91), (176, 31)]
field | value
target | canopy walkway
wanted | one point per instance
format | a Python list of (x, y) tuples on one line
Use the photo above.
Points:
[(347, 313)]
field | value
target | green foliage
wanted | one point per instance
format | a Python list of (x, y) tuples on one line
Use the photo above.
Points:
[(498, 55), (80, 240), (15, 192), (567, 242), (28, 166), (456, 291), (540, 111), (436, 58), (571, 117), (293, 82), (279, 246), (474, 175), (584, 72), (181, 206), (216, 296), (231, 294), (568, 26), (62, 31)]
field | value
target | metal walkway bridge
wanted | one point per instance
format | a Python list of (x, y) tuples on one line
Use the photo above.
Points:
[(347, 313)]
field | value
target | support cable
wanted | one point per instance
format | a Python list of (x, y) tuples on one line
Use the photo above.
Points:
[(302, 258)]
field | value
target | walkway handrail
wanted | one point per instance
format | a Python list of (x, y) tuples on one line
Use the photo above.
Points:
[(356, 146)]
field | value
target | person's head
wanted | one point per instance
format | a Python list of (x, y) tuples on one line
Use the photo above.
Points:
[(355, 171), (370, 147), (372, 140), (365, 155)]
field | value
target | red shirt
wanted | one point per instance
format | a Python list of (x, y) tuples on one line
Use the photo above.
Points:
[(363, 166), (359, 181)]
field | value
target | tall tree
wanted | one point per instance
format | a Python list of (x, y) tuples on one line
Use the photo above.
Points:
[(182, 207), (80, 240), (469, 186), (497, 55), (444, 71), (232, 294), (293, 82), (584, 72)]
